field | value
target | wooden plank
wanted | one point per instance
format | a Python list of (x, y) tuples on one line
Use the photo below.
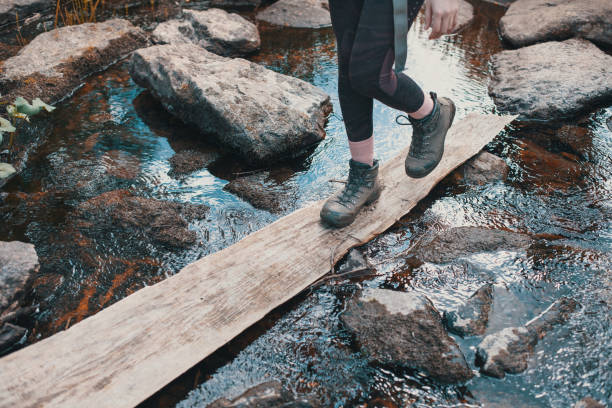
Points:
[(128, 351)]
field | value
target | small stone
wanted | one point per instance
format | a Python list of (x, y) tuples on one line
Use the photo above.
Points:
[(188, 161), (270, 394), (472, 317), (484, 168), (297, 14), (404, 329), (262, 192), (589, 402), (551, 80), (10, 10), (10, 336), (459, 242), (216, 30), (261, 115), (527, 22), (508, 350), (18, 265), (355, 264)]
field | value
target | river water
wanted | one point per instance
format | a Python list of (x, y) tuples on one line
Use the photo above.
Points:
[(113, 135)]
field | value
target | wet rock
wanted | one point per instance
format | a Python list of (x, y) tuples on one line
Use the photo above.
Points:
[(589, 402), (527, 22), (548, 170), (188, 161), (465, 15), (609, 123), (465, 241), (260, 114), (484, 168), (54, 63), (472, 317), (404, 329), (18, 265), (508, 350), (551, 80), (225, 4), (297, 14), (11, 10), (119, 212), (10, 336), (215, 30), (355, 264), (262, 192), (270, 394)]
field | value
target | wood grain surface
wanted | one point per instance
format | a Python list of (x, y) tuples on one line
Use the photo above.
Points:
[(128, 351)]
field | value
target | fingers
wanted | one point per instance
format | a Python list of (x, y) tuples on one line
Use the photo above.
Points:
[(427, 15), (436, 24)]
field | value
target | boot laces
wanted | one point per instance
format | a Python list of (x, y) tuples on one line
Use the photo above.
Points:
[(352, 188), (419, 144)]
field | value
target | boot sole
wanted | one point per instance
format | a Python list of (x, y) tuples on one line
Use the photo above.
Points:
[(439, 158), (369, 201)]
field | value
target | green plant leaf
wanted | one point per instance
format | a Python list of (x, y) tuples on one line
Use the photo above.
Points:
[(6, 170), (23, 106), (6, 126), (38, 103)]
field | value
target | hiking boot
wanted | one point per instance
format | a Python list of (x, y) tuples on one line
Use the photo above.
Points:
[(362, 188), (428, 135)]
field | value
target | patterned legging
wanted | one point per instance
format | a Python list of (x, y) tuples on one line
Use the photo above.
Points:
[(364, 38)]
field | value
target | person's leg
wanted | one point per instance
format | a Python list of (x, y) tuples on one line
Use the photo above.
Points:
[(372, 56), (356, 107)]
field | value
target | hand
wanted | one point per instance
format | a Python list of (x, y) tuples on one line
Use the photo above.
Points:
[(440, 16)]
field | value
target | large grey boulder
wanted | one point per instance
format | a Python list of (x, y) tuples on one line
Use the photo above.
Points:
[(459, 242), (404, 329), (551, 80), (529, 21), (259, 114), (297, 14), (54, 63), (18, 264), (508, 350), (216, 30)]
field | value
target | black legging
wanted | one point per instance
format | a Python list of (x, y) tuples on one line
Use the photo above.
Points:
[(364, 38)]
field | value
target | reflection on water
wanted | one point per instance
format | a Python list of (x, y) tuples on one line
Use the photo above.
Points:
[(112, 137)]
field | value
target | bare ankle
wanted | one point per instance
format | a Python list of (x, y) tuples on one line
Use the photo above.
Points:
[(425, 109)]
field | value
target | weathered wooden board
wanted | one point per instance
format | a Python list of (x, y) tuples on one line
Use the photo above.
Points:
[(128, 351)]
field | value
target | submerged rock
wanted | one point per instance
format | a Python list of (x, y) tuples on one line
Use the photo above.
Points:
[(18, 265), (225, 4), (484, 168), (270, 394), (465, 15), (404, 329), (262, 192), (551, 80), (10, 336), (188, 161), (215, 30), (529, 21), (508, 350), (472, 317), (150, 220), (258, 113), (54, 63), (589, 402), (297, 14), (465, 241)]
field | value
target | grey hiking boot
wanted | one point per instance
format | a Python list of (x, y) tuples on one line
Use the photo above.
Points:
[(362, 188), (428, 135)]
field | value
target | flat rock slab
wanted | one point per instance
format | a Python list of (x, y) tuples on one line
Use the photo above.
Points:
[(527, 22), (53, 64), (18, 264), (297, 14), (551, 80), (216, 30), (459, 242), (10, 10), (259, 114), (404, 329), (508, 350), (269, 394), (471, 318)]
